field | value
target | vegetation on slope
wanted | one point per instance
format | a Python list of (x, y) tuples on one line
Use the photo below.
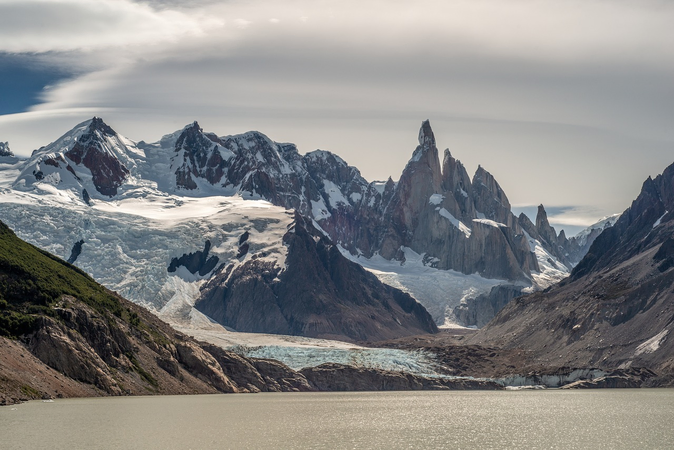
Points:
[(32, 280)]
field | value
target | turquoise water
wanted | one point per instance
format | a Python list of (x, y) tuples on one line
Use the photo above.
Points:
[(553, 419)]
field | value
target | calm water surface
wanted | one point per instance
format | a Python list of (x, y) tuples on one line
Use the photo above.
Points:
[(604, 419)]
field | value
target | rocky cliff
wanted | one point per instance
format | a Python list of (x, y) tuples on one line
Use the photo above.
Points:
[(615, 311)]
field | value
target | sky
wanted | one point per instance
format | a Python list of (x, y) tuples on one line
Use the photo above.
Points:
[(567, 103)]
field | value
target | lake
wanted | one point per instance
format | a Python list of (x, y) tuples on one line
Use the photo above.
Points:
[(552, 419)]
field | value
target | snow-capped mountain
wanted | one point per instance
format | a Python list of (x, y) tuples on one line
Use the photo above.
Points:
[(158, 222)]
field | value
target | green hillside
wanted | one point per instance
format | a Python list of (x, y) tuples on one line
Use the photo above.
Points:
[(32, 281)]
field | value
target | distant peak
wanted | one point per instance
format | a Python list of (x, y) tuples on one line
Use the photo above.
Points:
[(194, 126), (426, 135)]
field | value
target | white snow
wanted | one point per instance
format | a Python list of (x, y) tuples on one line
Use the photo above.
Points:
[(491, 223), (657, 222), (436, 199), (318, 210), (335, 196), (552, 270), (355, 197), (651, 345), (440, 291), (456, 222), (602, 224)]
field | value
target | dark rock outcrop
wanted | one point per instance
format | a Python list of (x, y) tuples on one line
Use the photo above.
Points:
[(197, 262), (4, 149), (76, 251), (480, 310), (319, 294)]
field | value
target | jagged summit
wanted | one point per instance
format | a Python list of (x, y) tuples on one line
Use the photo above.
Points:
[(97, 124), (426, 136), (91, 157)]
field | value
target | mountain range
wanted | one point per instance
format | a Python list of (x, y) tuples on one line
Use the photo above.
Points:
[(250, 233), (128, 213)]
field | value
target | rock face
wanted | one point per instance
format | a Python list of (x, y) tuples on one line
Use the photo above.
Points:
[(319, 293), (615, 309), (477, 312), (107, 172)]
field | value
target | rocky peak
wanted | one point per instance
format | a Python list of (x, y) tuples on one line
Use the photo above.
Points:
[(426, 136), (92, 150), (562, 239), (4, 149), (97, 124), (421, 178), (543, 227), (425, 162), (490, 199), (455, 181), (319, 293), (201, 158)]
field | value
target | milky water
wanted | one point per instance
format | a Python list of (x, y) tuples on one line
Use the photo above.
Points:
[(604, 419)]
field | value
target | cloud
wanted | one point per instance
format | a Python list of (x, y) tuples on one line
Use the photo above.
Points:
[(67, 25), (555, 98)]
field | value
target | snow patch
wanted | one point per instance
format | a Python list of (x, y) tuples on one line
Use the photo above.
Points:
[(552, 270), (659, 221), (335, 196), (439, 291), (651, 345), (456, 222), (491, 223), (318, 210), (436, 199)]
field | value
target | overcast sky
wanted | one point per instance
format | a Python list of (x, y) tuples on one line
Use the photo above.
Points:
[(567, 103)]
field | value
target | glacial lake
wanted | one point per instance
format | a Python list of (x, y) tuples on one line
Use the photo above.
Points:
[(552, 419)]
